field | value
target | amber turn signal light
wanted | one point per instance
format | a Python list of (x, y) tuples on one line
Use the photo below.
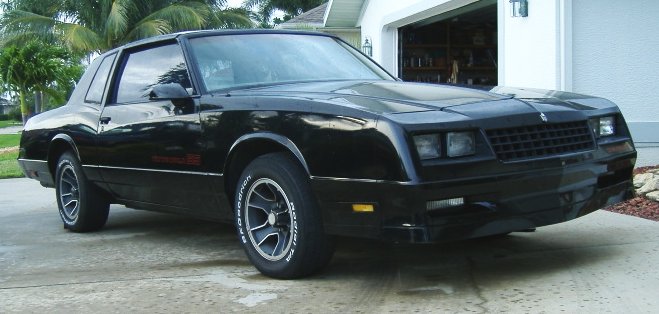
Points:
[(363, 208)]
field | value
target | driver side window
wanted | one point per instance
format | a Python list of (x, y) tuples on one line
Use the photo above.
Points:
[(144, 69)]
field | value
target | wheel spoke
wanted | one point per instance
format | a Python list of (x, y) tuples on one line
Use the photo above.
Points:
[(258, 201), (282, 237), (261, 194), (261, 234), (268, 236), (259, 227), (274, 192), (74, 211), (70, 202), (69, 181), (70, 177)]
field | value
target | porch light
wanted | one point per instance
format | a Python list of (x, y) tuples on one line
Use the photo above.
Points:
[(367, 47), (520, 8)]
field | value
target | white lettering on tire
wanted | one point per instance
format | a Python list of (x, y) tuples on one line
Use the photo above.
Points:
[(239, 221), (294, 232)]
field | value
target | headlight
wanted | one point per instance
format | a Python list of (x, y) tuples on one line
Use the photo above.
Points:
[(607, 126), (460, 144), (604, 126), (427, 146)]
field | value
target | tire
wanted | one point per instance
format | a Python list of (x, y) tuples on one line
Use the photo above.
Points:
[(83, 207), (278, 221)]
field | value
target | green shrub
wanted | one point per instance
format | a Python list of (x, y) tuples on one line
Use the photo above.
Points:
[(15, 114)]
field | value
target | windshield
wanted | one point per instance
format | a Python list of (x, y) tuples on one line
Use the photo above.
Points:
[(250, 59)]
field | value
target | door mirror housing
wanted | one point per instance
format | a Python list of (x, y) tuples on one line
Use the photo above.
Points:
[(169, 91)]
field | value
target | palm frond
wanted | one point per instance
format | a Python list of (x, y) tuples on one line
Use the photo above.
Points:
[(148, 28), (231, 18), (266, 10), (116, 24), (216, 3), (18, 23), (249, 4), (80, 38), (182, 16)]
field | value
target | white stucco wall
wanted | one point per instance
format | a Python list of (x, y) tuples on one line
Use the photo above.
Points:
[(616, 56), (371, 23), (530, 47)]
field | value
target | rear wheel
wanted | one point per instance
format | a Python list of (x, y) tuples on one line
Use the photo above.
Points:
[(82, 206), (278, 221)]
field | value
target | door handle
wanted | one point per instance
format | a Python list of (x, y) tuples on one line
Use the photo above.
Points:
[(105, 120)]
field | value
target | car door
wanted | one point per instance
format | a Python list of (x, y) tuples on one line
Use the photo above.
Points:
[(151, 148)]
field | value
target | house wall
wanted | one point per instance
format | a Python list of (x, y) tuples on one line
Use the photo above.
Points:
[(382, 37), (530, 47), (351, 37), (615, 55)]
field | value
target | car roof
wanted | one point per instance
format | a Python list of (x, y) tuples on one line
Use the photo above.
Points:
[(204, 33)]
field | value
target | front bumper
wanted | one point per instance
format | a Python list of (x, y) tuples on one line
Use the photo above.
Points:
[(493, 204)]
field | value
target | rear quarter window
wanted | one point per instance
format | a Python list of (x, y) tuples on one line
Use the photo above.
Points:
[(97, 87)]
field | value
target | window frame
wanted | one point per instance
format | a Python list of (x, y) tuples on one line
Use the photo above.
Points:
[(201, 86), (122, 60), (108, 80)]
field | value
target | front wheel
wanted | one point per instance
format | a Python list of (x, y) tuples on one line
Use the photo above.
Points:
[(278, 221), (82, 206)]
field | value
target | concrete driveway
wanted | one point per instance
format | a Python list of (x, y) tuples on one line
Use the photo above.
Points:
[(11, 129), (148, 262)]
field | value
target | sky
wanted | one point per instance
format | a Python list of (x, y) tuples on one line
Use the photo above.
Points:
[(234, 3), (230, 3), (238, 3)]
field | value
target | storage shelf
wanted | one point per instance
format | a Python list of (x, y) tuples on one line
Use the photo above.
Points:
[(473, 46), (477, 68), (444, 43), (425, 45), (424, 68)]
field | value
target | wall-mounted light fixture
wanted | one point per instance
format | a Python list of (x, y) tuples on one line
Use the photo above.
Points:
[(520, 8), (367, 47)]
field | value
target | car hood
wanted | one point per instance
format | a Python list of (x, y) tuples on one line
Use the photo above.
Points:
[(377, 96), (394, 97)]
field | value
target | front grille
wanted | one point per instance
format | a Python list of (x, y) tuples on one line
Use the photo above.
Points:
[(540, 140)]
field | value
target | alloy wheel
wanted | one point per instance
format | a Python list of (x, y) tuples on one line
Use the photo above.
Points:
[(268, 219), (70, 193)]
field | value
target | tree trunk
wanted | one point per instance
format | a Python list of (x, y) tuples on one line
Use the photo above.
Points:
[(25, 110), (38, 97)]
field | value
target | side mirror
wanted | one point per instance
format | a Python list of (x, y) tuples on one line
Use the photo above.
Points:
[(170, 91)]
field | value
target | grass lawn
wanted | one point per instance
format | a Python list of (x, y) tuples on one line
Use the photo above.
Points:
[(8, 164), (6, 123), (9, 140)]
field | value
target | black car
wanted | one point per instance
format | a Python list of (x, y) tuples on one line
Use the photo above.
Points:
[(296, 137)]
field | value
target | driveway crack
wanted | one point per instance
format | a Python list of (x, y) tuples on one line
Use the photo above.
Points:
[(477, 289)]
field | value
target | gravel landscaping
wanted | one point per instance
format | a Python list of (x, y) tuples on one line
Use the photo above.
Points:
[(646, 202)]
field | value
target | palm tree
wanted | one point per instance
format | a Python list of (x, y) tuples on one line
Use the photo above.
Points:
[(291, 8), (99, 25), (37, 67)]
